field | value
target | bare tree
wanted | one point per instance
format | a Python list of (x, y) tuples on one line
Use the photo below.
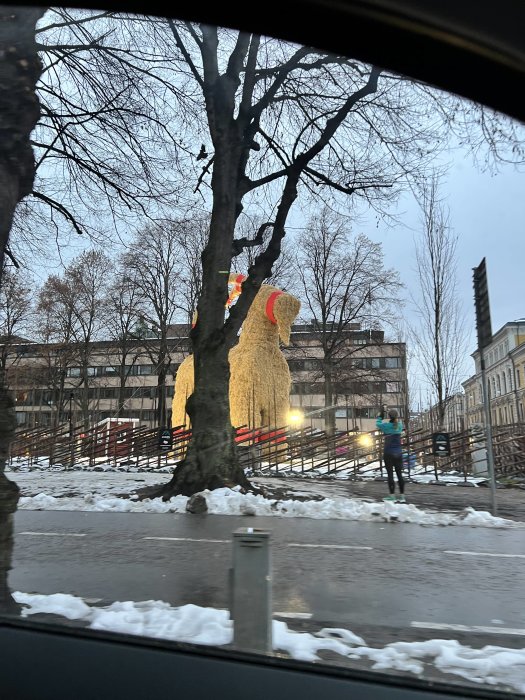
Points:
[(55, 329), (439, 337), (73, 318), (190, 239), (106, 148), (345, 287), (124, 309), (155, 267), (87, 279), (15, 314)]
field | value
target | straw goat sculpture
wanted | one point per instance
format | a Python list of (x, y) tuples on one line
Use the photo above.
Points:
[(259, 375)]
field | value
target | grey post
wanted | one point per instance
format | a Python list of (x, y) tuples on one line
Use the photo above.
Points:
[(251, 590)]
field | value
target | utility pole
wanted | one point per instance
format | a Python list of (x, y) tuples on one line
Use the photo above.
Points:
[(484, 330)]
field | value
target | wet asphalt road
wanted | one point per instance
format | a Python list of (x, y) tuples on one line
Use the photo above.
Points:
[(336, 573)]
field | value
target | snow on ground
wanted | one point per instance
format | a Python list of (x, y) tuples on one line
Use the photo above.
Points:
[(98, 491), (87, 492), (315, 468), (490, 665), (98, 464), (62, 484)]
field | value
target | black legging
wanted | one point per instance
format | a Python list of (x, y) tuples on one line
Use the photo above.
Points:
[(394, 462)]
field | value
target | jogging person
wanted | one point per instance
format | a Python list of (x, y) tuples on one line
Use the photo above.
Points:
[(392, 451)]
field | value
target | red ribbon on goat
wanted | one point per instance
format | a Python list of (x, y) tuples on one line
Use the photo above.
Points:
[(269, 306)]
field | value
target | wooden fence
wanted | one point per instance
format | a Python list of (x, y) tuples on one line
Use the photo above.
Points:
[(281, 452)]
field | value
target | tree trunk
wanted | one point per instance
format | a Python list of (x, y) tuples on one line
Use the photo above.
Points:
[(84, 398), (9, 495), (329, 413), (20, 68), (161, 396), (60, 400), (123, 377), (121, 389), (3, 366), (211, 461)]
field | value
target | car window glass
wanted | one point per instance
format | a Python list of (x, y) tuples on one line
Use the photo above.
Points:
[(250, 396)]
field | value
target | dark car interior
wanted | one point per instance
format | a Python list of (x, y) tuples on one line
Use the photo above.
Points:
[(475, 49)]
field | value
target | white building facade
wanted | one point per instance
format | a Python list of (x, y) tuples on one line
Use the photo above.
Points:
[(504, 367)]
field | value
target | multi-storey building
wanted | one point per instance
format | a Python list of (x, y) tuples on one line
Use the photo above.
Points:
[(505, 373), (366, 372), (51, 386)]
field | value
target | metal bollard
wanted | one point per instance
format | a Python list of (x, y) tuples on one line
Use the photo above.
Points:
[(251, 590)]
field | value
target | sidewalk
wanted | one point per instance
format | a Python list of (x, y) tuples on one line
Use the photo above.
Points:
[(430, 497)]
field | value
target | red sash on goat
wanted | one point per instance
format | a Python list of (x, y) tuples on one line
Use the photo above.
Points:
[(270, 304)]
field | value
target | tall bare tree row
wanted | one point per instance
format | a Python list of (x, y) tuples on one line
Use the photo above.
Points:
[(344, 285), (439, 338)]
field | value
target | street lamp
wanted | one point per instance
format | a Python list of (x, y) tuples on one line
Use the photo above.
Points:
[(295, 418)]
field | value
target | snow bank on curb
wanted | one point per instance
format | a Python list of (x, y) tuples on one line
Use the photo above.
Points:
[(233, 502), (208, 626)]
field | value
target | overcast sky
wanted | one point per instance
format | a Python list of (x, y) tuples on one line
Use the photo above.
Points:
[(488, 214)]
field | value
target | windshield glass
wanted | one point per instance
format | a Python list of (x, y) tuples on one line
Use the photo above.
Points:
[(249, 396)]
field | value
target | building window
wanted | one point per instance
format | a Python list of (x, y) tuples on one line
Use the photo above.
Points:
[(73, 372), (145, 369), (21, 417), (106, 393), (392, 362), (365, 412), (518, 378), (393, 387)]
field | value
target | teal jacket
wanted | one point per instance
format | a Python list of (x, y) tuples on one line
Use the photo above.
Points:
[(392, 432)]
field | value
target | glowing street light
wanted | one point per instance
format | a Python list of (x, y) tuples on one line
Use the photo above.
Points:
[(295, 418), (365, 440)]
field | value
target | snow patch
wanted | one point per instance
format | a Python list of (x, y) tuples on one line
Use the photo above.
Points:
[(227, 501), (491, 665)]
